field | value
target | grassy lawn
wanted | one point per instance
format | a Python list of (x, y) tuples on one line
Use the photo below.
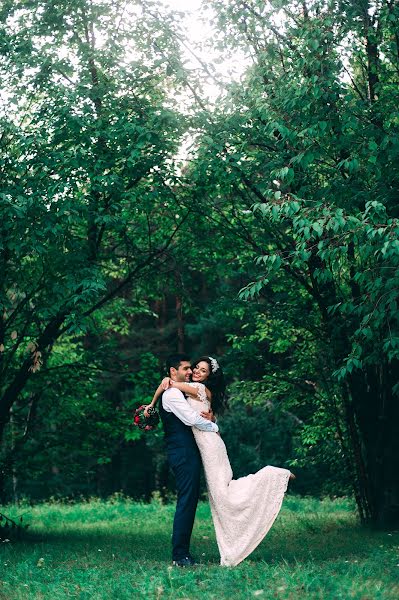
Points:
[(121, 550)]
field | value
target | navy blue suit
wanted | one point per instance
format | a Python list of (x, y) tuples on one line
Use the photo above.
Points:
[(185, 462)]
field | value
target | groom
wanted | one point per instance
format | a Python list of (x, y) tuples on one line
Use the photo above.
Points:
[(178, 417)]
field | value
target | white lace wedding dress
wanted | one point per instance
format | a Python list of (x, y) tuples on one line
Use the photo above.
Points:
[(243, 510)]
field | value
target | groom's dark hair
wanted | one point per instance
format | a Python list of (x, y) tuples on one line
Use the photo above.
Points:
[(174, 361)]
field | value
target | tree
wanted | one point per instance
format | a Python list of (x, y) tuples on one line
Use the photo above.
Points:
[(89, 137), (308, 142)]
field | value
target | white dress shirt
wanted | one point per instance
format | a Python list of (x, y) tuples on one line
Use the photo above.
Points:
[(174, 401)]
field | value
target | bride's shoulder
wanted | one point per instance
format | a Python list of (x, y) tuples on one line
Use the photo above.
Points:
[(202, 391)]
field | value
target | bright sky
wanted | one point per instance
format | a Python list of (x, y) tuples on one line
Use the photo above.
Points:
[(198, 34)]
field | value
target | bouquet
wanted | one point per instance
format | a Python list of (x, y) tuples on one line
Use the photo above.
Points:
[(143, 422)]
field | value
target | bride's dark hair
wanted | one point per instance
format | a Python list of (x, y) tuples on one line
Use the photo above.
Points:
[(215, 383)]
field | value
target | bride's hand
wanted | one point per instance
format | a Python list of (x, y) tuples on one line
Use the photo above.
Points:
[(208, 415), (146, 413), (166, 383)]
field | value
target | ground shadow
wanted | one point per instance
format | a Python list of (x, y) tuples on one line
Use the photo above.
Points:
[(309, 542)]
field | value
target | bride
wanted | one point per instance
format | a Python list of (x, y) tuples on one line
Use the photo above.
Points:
[(243, 510)]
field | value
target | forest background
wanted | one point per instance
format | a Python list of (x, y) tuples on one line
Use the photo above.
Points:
[(139, 217)]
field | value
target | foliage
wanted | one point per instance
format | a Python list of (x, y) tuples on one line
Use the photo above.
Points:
[(89, 135), (308, 142), (113, 253)]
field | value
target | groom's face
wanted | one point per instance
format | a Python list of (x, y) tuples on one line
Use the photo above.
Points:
[(183, 372)]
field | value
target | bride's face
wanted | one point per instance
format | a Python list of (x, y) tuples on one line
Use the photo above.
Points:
[(201, 371)]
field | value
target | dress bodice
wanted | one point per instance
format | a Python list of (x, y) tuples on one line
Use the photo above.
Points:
[(201, 403)]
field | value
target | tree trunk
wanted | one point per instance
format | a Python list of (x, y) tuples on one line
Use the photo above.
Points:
[(179, 313), (25, 372), (377, 415), (13, 470), (180, 324)]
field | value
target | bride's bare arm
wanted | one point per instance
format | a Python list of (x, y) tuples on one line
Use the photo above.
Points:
[(189, 389), (159, 391), (186, 388)]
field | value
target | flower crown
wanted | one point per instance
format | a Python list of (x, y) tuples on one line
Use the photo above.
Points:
[(214, 364)]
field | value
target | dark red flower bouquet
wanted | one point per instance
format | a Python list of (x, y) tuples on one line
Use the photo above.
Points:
[(143, 422)]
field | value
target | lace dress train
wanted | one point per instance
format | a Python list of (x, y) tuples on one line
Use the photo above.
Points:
[(243, 510)]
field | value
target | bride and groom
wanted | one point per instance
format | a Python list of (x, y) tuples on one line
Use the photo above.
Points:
[(243, 510)]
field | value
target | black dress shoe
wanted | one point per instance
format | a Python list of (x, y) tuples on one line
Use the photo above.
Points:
[(187, 561)]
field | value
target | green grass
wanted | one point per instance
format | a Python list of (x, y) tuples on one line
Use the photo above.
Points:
[(121, 550)]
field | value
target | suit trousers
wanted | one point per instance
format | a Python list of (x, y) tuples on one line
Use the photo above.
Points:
[(186, 466)]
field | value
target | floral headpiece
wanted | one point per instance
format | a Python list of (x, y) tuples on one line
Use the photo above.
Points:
[(214, 364)]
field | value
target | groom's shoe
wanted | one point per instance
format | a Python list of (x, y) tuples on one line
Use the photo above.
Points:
[(187, 561)]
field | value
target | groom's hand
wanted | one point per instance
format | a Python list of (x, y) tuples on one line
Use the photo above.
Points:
[(208, 415)]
